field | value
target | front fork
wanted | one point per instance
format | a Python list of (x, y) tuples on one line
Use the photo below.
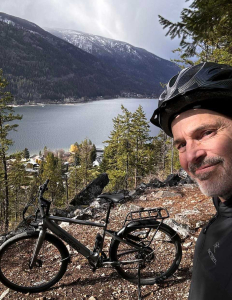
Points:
[(38, 246)]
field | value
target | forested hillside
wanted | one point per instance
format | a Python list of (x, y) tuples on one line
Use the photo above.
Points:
[(41, 67), (138, 64)]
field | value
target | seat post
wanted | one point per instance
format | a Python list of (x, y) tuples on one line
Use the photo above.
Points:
[(108, 213), (106, 223)]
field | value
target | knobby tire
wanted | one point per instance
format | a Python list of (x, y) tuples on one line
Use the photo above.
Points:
[(15, 256), (161, 256)]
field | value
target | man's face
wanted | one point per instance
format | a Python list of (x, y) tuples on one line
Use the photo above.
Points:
[(204, 141)]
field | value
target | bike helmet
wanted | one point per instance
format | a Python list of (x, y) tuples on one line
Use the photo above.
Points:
[(207, 85)]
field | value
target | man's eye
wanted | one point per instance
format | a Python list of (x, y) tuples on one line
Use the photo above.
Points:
[(207, 132), (181, 146)]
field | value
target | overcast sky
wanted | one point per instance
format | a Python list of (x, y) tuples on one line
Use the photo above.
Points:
[(132, 21)]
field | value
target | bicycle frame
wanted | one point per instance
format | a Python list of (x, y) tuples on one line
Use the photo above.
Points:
[(48, 223)]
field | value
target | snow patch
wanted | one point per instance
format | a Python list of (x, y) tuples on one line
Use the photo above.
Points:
[(7, 21)]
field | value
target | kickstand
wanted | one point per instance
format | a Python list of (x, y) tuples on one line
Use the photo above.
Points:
[(139, 285)]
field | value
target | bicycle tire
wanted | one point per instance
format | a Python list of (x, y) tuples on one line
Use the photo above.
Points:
[(15, 255), (161, 257)]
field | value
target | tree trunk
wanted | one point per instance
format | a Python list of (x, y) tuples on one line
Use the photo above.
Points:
[(6, 200), (172, 159), (136, 162), (16, 205), (66, 181), (165, 150)]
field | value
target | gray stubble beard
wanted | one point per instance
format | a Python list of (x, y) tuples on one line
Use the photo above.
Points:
[(221, 183)]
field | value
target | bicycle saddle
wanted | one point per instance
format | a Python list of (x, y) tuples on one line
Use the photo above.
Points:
[(112, 197)]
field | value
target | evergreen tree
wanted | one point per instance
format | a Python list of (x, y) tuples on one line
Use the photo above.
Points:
[(140, 136), (75, 183), (117, 155), (2, 197), (127, 156), (26, 153), (18, 181), (82, 171), (205, 25), (172, 157), (87, 154), (166, 159), (6, 116), (52, 169)]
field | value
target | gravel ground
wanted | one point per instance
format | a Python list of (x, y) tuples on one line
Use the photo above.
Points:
[(187, 206)]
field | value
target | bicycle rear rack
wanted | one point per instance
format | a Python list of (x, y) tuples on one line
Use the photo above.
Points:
[(158, 213)]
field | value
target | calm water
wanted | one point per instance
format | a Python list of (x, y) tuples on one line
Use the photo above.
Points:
[(59, 126)]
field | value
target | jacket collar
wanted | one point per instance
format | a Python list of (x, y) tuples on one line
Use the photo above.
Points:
[(224, 209)]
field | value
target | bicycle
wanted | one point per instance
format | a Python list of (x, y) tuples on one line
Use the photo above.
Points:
[(35, 260)]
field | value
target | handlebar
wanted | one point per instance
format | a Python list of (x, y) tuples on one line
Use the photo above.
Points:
[(43, 203), (43, 188)]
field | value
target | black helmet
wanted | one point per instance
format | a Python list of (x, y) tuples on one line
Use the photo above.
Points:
[(206, 85)]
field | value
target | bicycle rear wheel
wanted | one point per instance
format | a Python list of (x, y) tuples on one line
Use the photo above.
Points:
[(15, 257), (160, 253)]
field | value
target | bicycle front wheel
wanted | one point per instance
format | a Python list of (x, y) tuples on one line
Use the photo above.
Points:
[(15, 257), (159, 254)]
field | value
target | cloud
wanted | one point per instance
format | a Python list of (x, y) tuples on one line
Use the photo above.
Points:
[(132, 21)]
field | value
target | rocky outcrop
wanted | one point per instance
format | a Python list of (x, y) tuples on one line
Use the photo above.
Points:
[(155, 189), (92, 190)]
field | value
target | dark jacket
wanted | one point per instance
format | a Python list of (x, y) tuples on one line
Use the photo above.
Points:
[(212, 264)]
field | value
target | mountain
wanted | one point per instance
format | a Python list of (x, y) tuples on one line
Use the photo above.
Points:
[(42, 67), (144, 67)]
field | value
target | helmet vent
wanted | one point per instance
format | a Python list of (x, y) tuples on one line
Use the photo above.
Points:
[(188, 74), (173, 80), (227, 74)]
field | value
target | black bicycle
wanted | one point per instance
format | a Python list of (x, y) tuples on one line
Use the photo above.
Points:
[(145, 251)]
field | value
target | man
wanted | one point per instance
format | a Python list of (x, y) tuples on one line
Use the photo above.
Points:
[(196, 110)]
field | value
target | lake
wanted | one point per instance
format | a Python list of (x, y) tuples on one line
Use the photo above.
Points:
[(58, 126)]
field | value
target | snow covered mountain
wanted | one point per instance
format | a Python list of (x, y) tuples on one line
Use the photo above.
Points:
[(60, 65), (138, 63), (98, 45)]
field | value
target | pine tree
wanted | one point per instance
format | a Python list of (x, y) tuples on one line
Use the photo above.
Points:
[(2, 197), (127, 156), (75, 183), (140, 137), (166, 157), (82, 171), (52, 169), (117, 155), (205, 25), (6, 116), (87, 154), (18, 181), (26, 153)]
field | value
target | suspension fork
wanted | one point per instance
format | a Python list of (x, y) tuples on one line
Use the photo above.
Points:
[(37, 248)]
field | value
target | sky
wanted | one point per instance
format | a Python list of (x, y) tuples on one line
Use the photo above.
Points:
[(132, 21)]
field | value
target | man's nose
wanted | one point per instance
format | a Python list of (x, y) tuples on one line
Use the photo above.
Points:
[(195, 152)]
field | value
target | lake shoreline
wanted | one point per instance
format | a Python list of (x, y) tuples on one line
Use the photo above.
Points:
[(58, 126), (76, 102)]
